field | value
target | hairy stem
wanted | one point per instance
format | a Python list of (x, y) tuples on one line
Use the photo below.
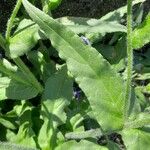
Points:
[(129, 56), (18, 61), (11, 20), (83, 135)]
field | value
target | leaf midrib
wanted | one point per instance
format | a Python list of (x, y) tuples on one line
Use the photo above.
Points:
[(87, 63)]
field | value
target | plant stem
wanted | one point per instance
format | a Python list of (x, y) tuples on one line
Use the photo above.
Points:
[(28, 74), (129, 56), (83, 135), (18, 61), (11, 20)]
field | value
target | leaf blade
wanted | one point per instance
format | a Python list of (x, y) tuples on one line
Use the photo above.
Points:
[(88, 68), (55, 99), (141, 35)]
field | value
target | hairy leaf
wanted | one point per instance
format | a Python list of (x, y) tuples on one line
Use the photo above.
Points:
[(141, 120), (116, 15), (91, 25), (136, 139), (141, 35), (11, 146), (15, 85), (83, 145), (57, 94), (102, 86), (24, 39), (43, 67), (25, 135), (20, 91)]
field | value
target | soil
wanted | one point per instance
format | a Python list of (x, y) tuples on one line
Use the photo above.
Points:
[(87, 8), (6, 7), (78, 8)]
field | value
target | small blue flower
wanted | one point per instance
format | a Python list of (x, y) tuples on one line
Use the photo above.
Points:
[(77, 94), (2, 55), (85, 40)]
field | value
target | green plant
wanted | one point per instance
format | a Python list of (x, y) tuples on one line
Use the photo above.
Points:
[(44, 113)]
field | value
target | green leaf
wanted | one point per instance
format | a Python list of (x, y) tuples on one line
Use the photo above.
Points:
[(16, 86), (20, 91), (113, 53), (136, 139), (7, 123), (24, 39), (117, 14), (12, 89), (12, 146), (113, 146), (91, 25), (141, 35), (2, 42), (4, 83), (53, 4), (77, 112), (141, 120), (57, 94), (44, 68), (82, 145), (147, 89), (141, 98), (93, 73), (25, 135)]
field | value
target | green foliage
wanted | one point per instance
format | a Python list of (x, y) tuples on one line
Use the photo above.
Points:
[(24, 39), (72, 145), (97, 73), (55, 99), (84, 25), (141, 35), (116, 15), (136, 138), (10, 146), (54, 3), (15, 85), (67, 91)]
